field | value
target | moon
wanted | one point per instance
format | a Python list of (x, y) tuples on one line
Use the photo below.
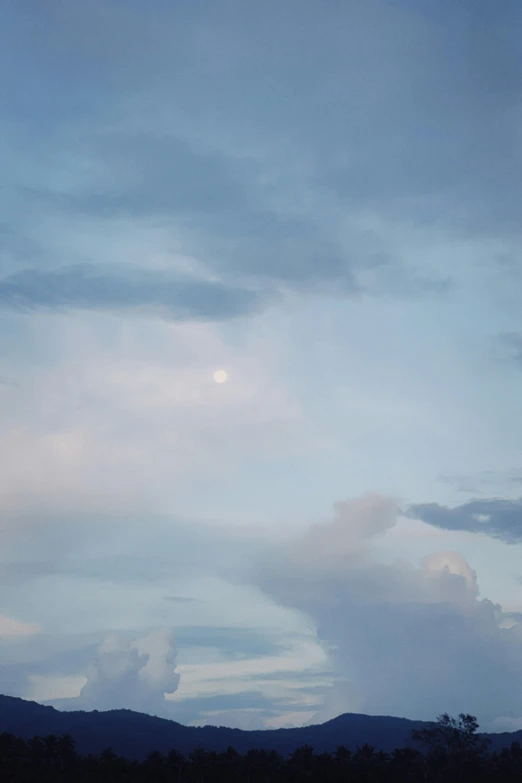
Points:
[(221, 376)]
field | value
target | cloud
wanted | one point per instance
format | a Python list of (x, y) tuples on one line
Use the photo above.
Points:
[(128, 409), (45, 688), (510, 724), (180, 599), (14, 629), (513, 343), (225, 673), (301, 171), (87, 288), (201, 162), (486, 482), (453, 563), (496, 517), (132, 675), (154, 174), (355, 523), (239, 673), (403, 639)]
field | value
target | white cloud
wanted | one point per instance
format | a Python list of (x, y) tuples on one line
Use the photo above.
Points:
[(15, 629), (355, 523), (446, 564), (134, 675), (126, 414), (413, 641), (506, 724), (234, 676)]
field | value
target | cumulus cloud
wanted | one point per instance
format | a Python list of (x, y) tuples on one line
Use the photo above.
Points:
[(453, 567), (355, 523), (133, 675), (404, 639), (496, 517)]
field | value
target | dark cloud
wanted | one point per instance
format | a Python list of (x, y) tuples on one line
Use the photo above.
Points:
[(158, 175), (230, 224), (411, 658), (494, 517), (180, 599), (513, 344), (90, 288), (446, 151), (269, 141)]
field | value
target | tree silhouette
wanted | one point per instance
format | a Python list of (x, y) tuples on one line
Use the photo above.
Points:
[(453, 745), (450, 751)]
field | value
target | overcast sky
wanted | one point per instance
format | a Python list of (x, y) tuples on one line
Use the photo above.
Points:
[(261, 358)]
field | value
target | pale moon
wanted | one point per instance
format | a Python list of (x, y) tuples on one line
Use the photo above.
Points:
[(220, 376)]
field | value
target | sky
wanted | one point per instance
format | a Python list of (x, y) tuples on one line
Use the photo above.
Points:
[(261, 358)]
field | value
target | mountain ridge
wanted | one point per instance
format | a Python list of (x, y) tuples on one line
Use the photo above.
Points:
[(134, 735)]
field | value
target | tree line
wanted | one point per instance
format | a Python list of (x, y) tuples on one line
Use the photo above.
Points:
[(449, 751)]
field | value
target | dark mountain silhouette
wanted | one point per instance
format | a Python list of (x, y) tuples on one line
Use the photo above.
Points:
[(134, 735)]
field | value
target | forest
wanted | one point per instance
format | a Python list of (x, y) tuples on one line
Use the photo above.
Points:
[(449, 750)]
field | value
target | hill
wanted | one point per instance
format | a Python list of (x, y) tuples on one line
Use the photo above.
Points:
[(134, 735)]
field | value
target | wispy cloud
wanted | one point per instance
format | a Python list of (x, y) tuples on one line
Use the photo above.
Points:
[(15, 629), (151, 292), (496, 517)]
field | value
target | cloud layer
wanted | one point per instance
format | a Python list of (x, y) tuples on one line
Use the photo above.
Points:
[(266, 164), (151, 292), (324, 203), (496, 517), (413, 640)]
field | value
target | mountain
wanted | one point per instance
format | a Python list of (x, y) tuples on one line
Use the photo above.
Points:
[(134, 735)]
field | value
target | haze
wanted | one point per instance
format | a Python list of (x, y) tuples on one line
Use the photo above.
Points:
[(318, 203)]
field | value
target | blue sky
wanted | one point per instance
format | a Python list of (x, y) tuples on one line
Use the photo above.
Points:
[(321, 200)]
